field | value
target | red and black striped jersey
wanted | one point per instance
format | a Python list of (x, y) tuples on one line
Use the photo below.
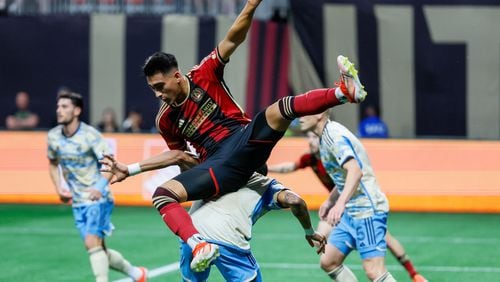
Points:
[(209, 114), (311, 160)]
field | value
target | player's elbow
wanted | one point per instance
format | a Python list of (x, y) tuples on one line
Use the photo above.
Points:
[(294, 201)]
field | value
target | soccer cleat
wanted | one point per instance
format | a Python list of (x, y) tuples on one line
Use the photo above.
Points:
[(350, 84), (144, 274), (419, 278), (203, 254)]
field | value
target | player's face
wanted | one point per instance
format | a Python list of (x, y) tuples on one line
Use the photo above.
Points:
[(307, 123), (313, 140), (66, 111), (166, 86)]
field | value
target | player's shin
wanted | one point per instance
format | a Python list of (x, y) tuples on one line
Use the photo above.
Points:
[(173, 214), (99, 263), (119, 263), (386, 277), (342, 274), (408, 265), (312, 102)]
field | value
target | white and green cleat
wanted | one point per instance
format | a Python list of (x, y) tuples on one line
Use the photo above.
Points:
[(356, 90), (203, 255)]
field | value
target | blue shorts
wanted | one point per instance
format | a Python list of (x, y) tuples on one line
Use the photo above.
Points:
[(94, 219), (232, 163), (235, 265), (367, 235)]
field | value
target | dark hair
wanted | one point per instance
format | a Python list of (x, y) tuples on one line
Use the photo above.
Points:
[(159, 62), (76, 99)]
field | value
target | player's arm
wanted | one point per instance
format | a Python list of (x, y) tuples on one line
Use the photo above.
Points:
[(288, 199), (64, 194), (352, 180), (328, 203), (121, 171), (238, 31), (283, 167)]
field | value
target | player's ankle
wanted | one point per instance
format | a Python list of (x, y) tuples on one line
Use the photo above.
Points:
[(194, 240)]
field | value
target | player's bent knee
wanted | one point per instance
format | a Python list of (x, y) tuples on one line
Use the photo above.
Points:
[(92, 241), (276, 117), (327, 264), (342, 273), (164, 196)]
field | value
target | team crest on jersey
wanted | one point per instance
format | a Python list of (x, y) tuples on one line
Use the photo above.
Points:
[(197, 94)]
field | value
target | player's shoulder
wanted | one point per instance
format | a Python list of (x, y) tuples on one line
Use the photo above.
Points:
[(55, 132), (89, 131), (207, 64)]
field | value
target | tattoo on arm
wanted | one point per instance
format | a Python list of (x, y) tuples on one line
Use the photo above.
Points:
[(299, 209)]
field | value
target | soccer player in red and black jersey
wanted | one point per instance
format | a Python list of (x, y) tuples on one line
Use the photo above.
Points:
[(312, 159), (198, 108)]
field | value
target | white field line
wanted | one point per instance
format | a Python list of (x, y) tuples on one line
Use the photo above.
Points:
[(259, 236), (155, 272), (393, 267)]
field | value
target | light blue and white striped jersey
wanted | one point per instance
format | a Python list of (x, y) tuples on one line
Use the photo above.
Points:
[(229, 219), (78, 157), (338, 145)]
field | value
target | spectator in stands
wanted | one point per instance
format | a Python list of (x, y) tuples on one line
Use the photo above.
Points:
[(108, 121), (372, 126), (133, 122), (22, 118)]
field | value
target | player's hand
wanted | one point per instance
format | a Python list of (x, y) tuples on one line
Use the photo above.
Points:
[(317, 240), (94, 194), (324, 209), (117, 169), (189, 161), (65, 195), (335, 214)]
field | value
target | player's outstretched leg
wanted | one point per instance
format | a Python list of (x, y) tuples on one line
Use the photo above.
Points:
[(349, 89), (355, 91)]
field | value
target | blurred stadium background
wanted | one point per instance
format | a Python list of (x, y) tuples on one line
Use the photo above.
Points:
[(433, 68)]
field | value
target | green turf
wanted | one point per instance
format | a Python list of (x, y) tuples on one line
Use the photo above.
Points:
[(39, 243)]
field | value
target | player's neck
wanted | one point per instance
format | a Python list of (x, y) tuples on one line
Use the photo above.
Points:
[(318, 130), (71, 128), (186, 88)]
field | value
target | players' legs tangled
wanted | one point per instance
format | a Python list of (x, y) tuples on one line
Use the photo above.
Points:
[(167, 199)]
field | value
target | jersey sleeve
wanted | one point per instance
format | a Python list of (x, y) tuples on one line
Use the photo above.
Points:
[(51, 148), (98, 144), (212, 66), (174, 142), (343, 149), (270, 197)]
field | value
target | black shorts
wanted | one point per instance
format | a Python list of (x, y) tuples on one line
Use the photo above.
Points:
[(233, 162)]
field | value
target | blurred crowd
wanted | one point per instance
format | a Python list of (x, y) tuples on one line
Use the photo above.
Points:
[(22, 117), (267, 10)]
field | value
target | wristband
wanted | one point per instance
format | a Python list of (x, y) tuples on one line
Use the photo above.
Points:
[(309, 231), (134, 169), (101, 185)]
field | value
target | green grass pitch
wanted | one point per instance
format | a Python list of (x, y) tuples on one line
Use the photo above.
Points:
[(40, 243)]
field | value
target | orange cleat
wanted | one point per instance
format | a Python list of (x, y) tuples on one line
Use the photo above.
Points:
[(419, 278), (144, 274), (203, 254)]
